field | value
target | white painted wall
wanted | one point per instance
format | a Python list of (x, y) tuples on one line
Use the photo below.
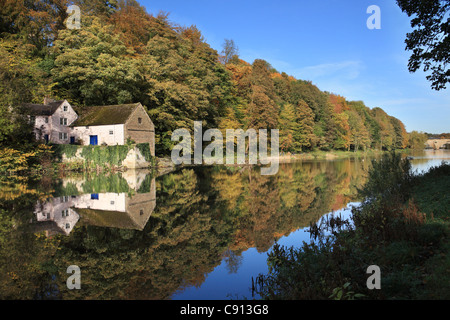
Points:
[(70, 115), (42, 128), (62, 210), (105, 202), (110, 135), (58, 210), (54, 127)]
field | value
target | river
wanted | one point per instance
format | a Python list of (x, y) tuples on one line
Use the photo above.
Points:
[(194, 233)]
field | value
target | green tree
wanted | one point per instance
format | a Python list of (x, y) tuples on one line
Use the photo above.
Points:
[(21, 81), (287, 127), (429, 41), (359, 135), (417, 140), (386, 129), (304, 136), (94, 67), (400, 136), (187, 82)]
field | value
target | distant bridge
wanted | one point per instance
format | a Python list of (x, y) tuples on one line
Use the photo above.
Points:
[(438, 144)]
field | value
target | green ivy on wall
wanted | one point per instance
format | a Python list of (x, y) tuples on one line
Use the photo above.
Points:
[(103, 156), (144, 148)]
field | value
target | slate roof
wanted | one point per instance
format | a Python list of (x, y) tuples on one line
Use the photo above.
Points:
[(109, 219), (42, 109), (105, 115)]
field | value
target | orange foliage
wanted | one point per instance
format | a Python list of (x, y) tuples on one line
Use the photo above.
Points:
[(276, 75), (134, 23), (339, 103)]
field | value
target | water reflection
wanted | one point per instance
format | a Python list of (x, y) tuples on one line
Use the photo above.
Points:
[(136, 235), (131, 210)]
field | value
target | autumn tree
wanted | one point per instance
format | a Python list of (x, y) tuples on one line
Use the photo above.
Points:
[(133, 23), (287, 126), (102, 9), (359, 135), (304, 136), (400, 134), (21, 81), (262, 111), (338, 127), (35, 22), (386, 131)]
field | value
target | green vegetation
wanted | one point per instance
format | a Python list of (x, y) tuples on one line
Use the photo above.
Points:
[(203, 215), (123, 54), (104, 155), (144, 148), (402, 226), (99, 156), (417, 140)]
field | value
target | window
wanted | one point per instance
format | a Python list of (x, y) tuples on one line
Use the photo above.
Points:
[(46, 119), (111, 132), (65, 108), (67, 225), (62, 136), (112, 202), (32, 119), (63, 121), (140, 120), (141, 212)]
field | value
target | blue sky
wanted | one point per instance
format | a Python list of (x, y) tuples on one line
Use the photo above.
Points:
[(327, 42)]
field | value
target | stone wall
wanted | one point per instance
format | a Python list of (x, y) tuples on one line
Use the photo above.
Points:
[(141, 129)]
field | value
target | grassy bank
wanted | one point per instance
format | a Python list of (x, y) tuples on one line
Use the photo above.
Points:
[(402, 226)]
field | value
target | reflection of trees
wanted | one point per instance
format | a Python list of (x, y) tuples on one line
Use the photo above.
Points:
[(183, 241), (269, 207), (262, 202), (203, 215), (24, 272), (297, 189)]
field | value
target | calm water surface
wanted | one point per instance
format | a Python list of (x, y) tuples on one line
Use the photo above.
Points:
[(195, 233)]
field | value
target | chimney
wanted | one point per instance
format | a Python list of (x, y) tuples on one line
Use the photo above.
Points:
[(48, 100)]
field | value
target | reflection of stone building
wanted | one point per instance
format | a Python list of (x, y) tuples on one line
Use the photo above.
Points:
[(113, 210), (56, 215)]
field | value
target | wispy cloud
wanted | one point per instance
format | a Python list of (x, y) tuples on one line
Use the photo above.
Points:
[(345, 70)]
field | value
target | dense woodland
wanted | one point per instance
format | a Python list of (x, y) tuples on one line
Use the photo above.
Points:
[(123, 54)]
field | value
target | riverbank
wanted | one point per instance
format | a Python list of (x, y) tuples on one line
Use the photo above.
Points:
[(329, 155), (403, 227), (288, 157)]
